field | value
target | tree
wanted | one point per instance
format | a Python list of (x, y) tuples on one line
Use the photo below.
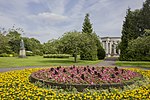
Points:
[(130, 31), (87, 26), (89, 48), (14, 40), (34, 45), (51, 47), (145, 16), (100, 51), (71, 43), (135, 25), (4, 46), (139, 49)]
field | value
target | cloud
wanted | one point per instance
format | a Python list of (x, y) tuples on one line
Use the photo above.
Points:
[(46, 19)]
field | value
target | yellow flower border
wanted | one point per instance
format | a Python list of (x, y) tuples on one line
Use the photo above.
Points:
[(16, 85)]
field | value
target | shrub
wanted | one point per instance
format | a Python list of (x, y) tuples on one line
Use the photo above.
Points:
[(4, 55), (101, 53), (56, 56), (29, 53), (139, 49)]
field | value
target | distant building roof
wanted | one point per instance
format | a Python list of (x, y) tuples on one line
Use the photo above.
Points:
[(111, 37)]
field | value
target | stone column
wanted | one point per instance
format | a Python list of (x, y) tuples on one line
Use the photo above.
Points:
[(119, 51), (110, 47), (115, 48), (106, 47)]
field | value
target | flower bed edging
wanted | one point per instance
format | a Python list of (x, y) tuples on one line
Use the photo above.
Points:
[(81, 87)]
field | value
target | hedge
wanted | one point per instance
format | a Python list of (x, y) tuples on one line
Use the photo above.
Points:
[(56, 56)]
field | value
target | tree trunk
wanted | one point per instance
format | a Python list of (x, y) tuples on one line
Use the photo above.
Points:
[(75, 57)]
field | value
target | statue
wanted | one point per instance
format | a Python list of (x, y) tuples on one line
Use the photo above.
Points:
[(22, 52), (22, 44)]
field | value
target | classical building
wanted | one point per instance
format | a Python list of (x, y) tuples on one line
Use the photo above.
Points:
[(110, 45)]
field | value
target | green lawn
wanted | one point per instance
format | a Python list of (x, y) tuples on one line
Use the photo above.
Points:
[(40, 61), (142, 64)]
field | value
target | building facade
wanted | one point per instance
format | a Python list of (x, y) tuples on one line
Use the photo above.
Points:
[(110, 45)]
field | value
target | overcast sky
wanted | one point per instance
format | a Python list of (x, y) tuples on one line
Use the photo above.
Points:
[(47, 19)]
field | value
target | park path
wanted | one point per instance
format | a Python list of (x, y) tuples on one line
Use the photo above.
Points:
[(108, 62)]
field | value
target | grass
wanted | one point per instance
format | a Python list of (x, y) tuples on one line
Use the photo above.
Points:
[(6, 62), (140, 64)]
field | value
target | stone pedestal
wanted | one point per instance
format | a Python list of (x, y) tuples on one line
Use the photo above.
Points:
[(22, 53)]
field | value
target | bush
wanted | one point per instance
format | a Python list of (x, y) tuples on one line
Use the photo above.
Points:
[(101, 53), (37, 52), (139, 49), (56, 56), (6, 55), (29, 53)]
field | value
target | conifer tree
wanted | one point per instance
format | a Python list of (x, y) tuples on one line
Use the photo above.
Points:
[(145, 16), (87, 26), (89, 48)]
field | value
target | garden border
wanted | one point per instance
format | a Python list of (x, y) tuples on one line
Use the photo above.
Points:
[(81, 87)]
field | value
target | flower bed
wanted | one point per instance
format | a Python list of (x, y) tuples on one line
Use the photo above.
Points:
[(83, 77), (16, 85)]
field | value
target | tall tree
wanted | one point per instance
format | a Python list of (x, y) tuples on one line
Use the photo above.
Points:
[(145, 16), (89, 48), (135, 24), (125, 35), (87, 26)]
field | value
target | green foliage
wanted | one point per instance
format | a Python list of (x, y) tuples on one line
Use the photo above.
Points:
[(136, 25), (34, 45), (8, 55), (4, 55), (87, 26), (91, 47), (71, 43), (139, 49), (14, 39), (145, 13), (51, 47), (56, 56), (4, 46), (147, 32), (129, 31), (29, 53), (100, 51), (88, 48)]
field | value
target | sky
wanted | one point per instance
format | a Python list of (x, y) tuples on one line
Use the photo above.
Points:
[(50, 19)]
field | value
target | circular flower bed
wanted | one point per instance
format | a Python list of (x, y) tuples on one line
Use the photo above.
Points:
[(16, 85), (82, 77)]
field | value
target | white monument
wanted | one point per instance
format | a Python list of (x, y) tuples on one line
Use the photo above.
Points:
[(22, 52), (110, 45)]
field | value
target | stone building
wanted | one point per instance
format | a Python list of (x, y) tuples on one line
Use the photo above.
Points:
[(110, 45)]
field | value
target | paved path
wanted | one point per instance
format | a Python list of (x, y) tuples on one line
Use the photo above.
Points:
[(107, 63)]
